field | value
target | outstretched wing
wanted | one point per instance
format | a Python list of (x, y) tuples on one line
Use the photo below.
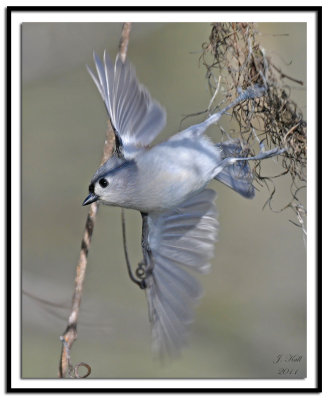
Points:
[(135, 116), (181, 241)]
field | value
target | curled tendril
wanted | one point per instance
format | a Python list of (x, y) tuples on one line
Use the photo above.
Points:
[(73, 371)]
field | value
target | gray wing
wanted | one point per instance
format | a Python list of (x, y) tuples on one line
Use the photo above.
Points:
[(136, 117), (181, 241), (237, 176)]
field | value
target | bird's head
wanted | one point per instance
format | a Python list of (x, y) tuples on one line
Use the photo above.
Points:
[(105, 181)]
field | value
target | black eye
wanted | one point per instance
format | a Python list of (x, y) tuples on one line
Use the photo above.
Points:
[(103, 182)]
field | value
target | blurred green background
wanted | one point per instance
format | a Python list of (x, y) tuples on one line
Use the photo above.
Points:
[(254, 303)]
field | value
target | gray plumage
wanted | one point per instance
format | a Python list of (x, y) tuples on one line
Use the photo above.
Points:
[(168, 183), (182, 241), (136, 117), (238, 175)]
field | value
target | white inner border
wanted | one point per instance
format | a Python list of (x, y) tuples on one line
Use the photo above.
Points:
[(17, 19)]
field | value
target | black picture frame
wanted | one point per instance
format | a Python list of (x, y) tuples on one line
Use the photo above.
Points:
[(10, 11)]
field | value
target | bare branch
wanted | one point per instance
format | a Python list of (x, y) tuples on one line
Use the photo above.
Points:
[(70, 334), (124, 40)]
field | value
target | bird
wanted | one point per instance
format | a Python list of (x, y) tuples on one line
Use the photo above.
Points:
[(166, 183)]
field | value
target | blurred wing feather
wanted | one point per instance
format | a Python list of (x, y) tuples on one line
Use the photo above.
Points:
[(181, 241)]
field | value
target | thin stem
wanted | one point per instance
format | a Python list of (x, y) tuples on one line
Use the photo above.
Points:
[(124, 239), (283, 75)]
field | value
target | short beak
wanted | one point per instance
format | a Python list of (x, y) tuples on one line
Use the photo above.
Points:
[(90, 199)]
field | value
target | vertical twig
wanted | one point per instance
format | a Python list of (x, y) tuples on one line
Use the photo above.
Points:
[(124, 40), (70, 334)]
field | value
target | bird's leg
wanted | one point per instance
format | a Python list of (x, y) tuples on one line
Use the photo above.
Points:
[(145, 267)]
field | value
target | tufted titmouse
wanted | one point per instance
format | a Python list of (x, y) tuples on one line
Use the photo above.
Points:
[(167, 184)]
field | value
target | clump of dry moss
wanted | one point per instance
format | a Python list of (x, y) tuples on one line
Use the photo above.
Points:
[(235, 60)]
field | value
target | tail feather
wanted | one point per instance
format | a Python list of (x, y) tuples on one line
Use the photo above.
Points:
[(237, 176)]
